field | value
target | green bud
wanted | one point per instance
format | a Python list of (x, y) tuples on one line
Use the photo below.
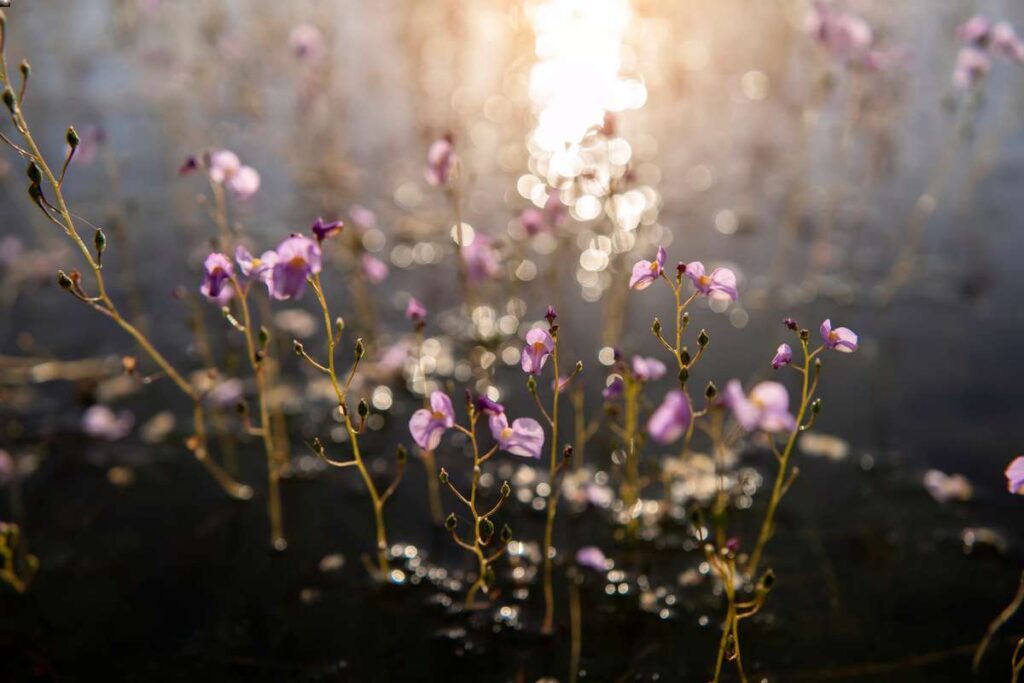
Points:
[(805, 334), (401, 454), (360, 348), (72, 137), (35, 193), (364, 408), (486, 528), (684, 375), (710, 391), (656, 327), (768, 580), (318, 446), (450, 522), (489, 578), (506, 490), (26, 68), (684, 356), (531, 384), (63, 280), (264, 336), (506, 533), (443, 476), (299, 348), (9, 99), (579, 367), (99, 240), (686, 319), (33, 173), (703, 338), (816, 406)]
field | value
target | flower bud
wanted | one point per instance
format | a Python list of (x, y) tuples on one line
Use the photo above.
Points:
[(364, 408), (531, 384), (450, 521), (9, 99), (768, 580), (443, 476), (299, 348), (551, 315), (579, 367), (710, 391), (360, 348), (805, 334), (790, 323), (318, 445), (703, 338), (567, 452), (99, 240), (72, 138), (63, 280), (506, 533), (684, 356), (489, 578), (25, 68), (506, 490), (686, 319), (656, 327), (401, 455), (339, 325), (264, 336), (486, 528), (33, 173), (816, 406), (684, 375)]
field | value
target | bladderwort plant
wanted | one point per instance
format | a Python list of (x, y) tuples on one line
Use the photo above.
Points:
[(540, 345), (44, 181), (523, 436)]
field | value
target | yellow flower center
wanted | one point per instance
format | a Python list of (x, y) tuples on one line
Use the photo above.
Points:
[(506, 433), (704, 280), (297, 262), (538, 346), (438, 415), (654, 266)]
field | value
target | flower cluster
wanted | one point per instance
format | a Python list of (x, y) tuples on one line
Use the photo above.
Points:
[(982, 39), (283, 270), (225, 169)]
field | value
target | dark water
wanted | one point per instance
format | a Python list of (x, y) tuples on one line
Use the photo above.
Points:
[(164, 579)]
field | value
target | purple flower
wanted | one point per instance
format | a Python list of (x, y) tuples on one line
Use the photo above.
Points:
[(647, 272), (363, 218), (255, 268), (523, 437), (428, 426), (244, 183), (648, 369), (766, 408), (481, 259), (1015, 476), (323, 230), (532, 221), (720, 284), (306, 43), (1006, 43), (539, 346), (100, 422), (489, 407), (790, 323), (972, 65), (975, 31), (441, 159), (298, 257), (846, 36), (217, 274), (375, 270), (551, 315), (415, 311), (591, 557), (613, 390), (223, 164), (783, 356), (841, 339), (671, 419)]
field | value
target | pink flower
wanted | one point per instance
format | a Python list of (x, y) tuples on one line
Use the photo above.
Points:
[(222, 165), (648, 369), (441, 160), (415, 311), (647, 272), (539, 346), (306, 43), (1006, 43), (225, 169), (720, 284), (375, 270), (975, 31), (972, 65), (1015, 476), (783, 356), (841, 339), (217, 274), (766, 408), (591, 557), (428, 426), (245, 182), (533, 221), (363, 218), (671, 419), (481, 259), (298, 258), (100, 422), (846, 36), (523, 437)]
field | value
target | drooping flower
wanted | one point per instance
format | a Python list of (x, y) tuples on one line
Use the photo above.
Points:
[(648, 369), (481, 259), (539, 346), (647, 272), (972, 65), (306, 43), (613, 389), (100, 422), (671, 419), (441, 159), (298, 257), (322, 229), (428, 426), (591, 557), (783, 356), (217, 273), (375, 270), (841, 338), (523, 437), (1015, 476), (415, 311), (720, 284), (766, 408)]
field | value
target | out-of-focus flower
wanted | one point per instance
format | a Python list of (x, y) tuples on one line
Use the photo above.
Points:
[(306, 43), (972, 65), (552, 217), (671, 419), (841, 338), (613, 390), (975, 31), (1015, 476), (441, 160), (846, 36), (648, 369), (375, 270), (532, 221), (298, 257), (720, 284), (766, 408), (947, 487), (646, 273), (481, 259), (226, 169), (523, 437), (222, 165), (783, 356), (90, 141), (322, 230), (227, 393), (1006, 43), (217, 274), (362, 218), (428, 426), (415, 311), (539, 346), (489, 407), (560, 384), (591, 557), (100, 422), (245, 182)]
